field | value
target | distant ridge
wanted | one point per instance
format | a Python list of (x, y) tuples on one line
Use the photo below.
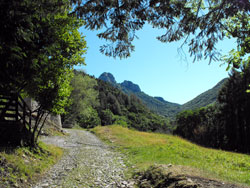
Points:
[(204, 99), (158, 104), (128, 85)]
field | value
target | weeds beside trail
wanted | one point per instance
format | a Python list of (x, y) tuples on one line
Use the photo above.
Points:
[(19, 167), (147, 149)]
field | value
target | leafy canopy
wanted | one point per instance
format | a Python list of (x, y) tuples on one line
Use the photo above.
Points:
[(39, 45), (200, 23)]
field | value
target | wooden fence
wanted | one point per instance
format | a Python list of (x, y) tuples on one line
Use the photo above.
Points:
[(15, 117)]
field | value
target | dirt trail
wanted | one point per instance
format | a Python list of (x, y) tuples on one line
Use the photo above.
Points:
[(87, 162)]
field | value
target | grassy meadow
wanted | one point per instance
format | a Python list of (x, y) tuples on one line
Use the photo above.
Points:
[(146, 149)]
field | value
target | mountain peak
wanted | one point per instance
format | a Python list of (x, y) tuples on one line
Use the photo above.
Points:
[(160, 99), (108, 77), (130, 86)]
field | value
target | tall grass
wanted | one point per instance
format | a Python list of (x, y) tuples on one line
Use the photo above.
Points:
[(145, 149)]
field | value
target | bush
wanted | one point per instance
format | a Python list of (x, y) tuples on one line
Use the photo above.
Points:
[(89, 118), (107, 117), (121, 120)]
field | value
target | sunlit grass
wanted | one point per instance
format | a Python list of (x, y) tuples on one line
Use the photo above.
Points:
[(20, 166), (145, 149)]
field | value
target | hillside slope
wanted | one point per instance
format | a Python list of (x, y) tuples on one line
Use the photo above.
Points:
[(146, 149), (204, 99), (96, 102), (158, 104)]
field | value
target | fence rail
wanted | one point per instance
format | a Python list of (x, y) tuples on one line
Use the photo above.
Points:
[(14, 111)]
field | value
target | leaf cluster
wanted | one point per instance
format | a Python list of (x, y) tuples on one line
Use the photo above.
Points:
[(38, 49), (200, 23)]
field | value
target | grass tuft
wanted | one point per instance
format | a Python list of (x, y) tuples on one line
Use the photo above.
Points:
[(19, 167)]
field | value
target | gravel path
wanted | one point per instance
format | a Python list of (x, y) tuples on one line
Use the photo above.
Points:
[(87, 162)]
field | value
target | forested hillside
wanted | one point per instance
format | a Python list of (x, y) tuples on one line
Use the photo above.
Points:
[(225, 124), (96, 102), (204, 99), (158, 104)]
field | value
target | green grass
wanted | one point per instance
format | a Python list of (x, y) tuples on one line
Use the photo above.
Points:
[(146, 149), (21, 166)]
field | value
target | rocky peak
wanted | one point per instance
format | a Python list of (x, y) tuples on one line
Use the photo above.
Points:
[(160, 99), (130, 86), (108, 77)]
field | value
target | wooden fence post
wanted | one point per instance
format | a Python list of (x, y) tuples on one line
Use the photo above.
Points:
[(16, 107)]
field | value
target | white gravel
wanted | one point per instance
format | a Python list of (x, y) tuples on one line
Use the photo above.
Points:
[(87, 162)]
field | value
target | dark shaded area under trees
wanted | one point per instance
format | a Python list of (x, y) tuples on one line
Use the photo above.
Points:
[(38, 49)]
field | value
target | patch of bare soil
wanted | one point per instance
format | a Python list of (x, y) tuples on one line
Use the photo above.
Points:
[(208, 183), (169, 176)]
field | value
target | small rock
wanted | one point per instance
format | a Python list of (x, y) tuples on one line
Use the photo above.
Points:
[(45, 185)]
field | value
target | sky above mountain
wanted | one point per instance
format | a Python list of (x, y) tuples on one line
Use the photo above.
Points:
[(159, 69)]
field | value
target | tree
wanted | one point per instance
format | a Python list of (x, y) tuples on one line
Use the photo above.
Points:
[(234, 110), (201, 23), (84, 101), (224, 125), (38, 49), (200, 126)]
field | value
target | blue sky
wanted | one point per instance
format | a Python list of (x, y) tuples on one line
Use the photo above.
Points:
[(157, 67)]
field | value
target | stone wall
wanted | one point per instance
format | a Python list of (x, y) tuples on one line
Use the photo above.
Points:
[(55, 119)]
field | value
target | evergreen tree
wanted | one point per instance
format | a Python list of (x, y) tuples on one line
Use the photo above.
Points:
[(226, 124), (234, 110)]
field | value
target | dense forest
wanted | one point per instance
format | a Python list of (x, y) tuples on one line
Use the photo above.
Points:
[(225, 124), (95, 102)]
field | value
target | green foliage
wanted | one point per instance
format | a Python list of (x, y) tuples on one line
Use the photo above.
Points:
[(238, 27), (132, 112), (224, 125), (95, 102), (46, 44), (107, 117), (234, 110), (89, 118), (201, 24), (38, 49), (84, 101), (121, 120), (200, 126)]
